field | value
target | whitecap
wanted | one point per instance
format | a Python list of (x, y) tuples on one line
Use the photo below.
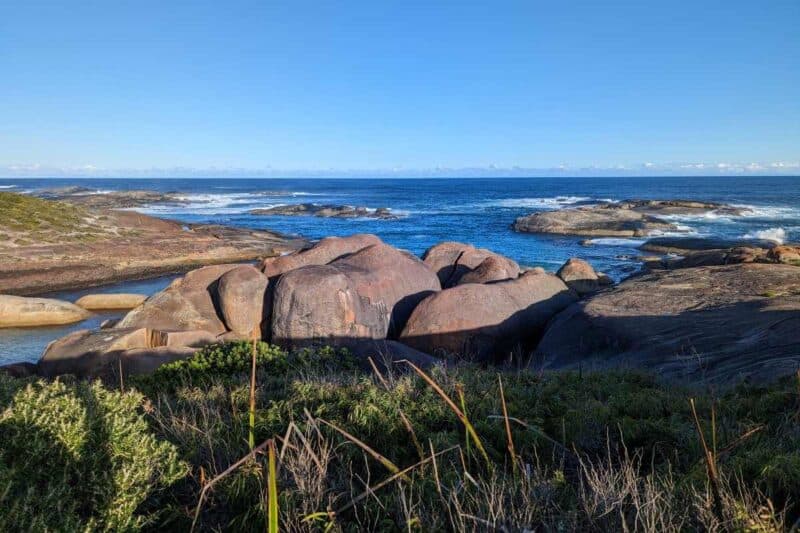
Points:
[(616, 241), (553, 202), (778, 235), (8, 186)]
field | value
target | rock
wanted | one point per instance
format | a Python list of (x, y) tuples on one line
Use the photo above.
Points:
[(681, 207), (452, 260), (389, 355), (19, 370), (319, 303), (327, 211), (90, 198), (606, 220), (789, 254), (189, 303), (109, 323), (147, 360), (321, 253), (19, 311), (181, 339), (97, 302), (687, 245), (88, 353), (368, 294), (478, 321), (579, 276), (242, 294), (604, 279), (717, 324), (491, 269)]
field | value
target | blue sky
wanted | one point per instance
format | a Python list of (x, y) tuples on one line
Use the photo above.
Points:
[(166, 87)]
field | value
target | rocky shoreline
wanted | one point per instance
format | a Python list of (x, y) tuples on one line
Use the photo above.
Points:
[(52, 245), (629, 218), (326, 211), (719, 323), (721, 311)]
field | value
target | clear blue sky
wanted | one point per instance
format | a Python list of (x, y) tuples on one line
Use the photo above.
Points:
[(413, 85)]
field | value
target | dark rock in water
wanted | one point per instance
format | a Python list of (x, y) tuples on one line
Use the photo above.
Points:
[(631, 218), (682, 245), (482, 320), (717, 324), (110, 200), (452, 260), (327, 211), (597, 221)]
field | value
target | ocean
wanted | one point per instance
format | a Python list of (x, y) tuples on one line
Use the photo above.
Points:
[(479, 211)]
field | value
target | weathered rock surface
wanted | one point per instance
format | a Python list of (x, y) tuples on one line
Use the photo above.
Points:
[(388, 354), (189, 303), (687, 245), (491, 269), (478, 321), (605, 220), (18, 311), (452, 260), (321, 253), (368, 294), (98, 353), (579, 276), (694, 252), (326, 211), (242, 297), (110, 199), (630, 218), (87, 246), (97, 302), (717, 323)]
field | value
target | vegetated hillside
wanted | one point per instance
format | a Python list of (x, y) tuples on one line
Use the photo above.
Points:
[(361, 450), (26, 220)]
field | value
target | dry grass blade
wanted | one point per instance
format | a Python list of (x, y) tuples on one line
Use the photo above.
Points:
[(510, 439), (390, 479), (403, 417), (260, 448), (377, 456), (711, 466), (538, 431), (461, 416)]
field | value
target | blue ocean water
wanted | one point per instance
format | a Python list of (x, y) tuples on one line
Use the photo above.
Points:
[(477, 211)]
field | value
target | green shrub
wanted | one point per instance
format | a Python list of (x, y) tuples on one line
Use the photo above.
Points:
[(78, 457)]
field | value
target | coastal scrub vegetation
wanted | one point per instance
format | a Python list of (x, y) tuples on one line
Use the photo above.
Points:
[(26, 220), (457, 447)]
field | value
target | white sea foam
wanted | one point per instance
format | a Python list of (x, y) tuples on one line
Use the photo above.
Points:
[(555, 202), (7, 186), (616, 241), (778, 235)]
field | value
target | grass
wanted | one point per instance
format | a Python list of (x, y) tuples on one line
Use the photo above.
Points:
[(30, 220), (350, 450)]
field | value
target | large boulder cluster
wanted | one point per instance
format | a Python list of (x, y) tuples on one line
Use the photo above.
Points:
[(355, 292)]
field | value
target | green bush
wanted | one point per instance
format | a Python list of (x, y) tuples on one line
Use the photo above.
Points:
[(78, 457)]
